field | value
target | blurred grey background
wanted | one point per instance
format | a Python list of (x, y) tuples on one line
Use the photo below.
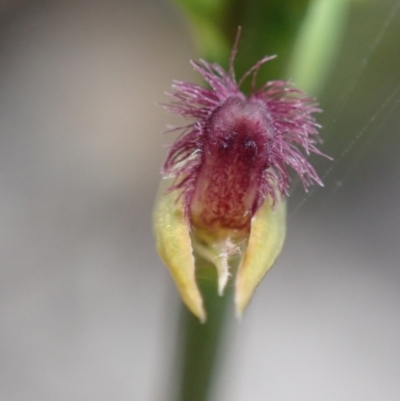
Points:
[(88, 312)]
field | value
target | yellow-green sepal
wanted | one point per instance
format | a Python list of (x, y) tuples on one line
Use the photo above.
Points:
[(174, 246), (267, 235)]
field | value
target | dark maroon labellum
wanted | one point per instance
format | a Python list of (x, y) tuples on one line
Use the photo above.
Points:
[(234, 155)]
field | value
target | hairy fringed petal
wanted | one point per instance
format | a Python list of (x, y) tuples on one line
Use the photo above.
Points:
[(283, 136), (228, 175)]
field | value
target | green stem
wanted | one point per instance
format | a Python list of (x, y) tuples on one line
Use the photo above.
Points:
[(318, 43), (199, 345)]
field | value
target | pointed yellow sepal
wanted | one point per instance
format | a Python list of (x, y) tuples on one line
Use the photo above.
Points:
[(173, 242), (267, 235)]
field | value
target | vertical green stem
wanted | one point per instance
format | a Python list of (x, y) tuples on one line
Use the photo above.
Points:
[(199, 344), (317, 44)]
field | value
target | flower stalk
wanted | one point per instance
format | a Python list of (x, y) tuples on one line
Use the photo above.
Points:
[(200, 346)]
